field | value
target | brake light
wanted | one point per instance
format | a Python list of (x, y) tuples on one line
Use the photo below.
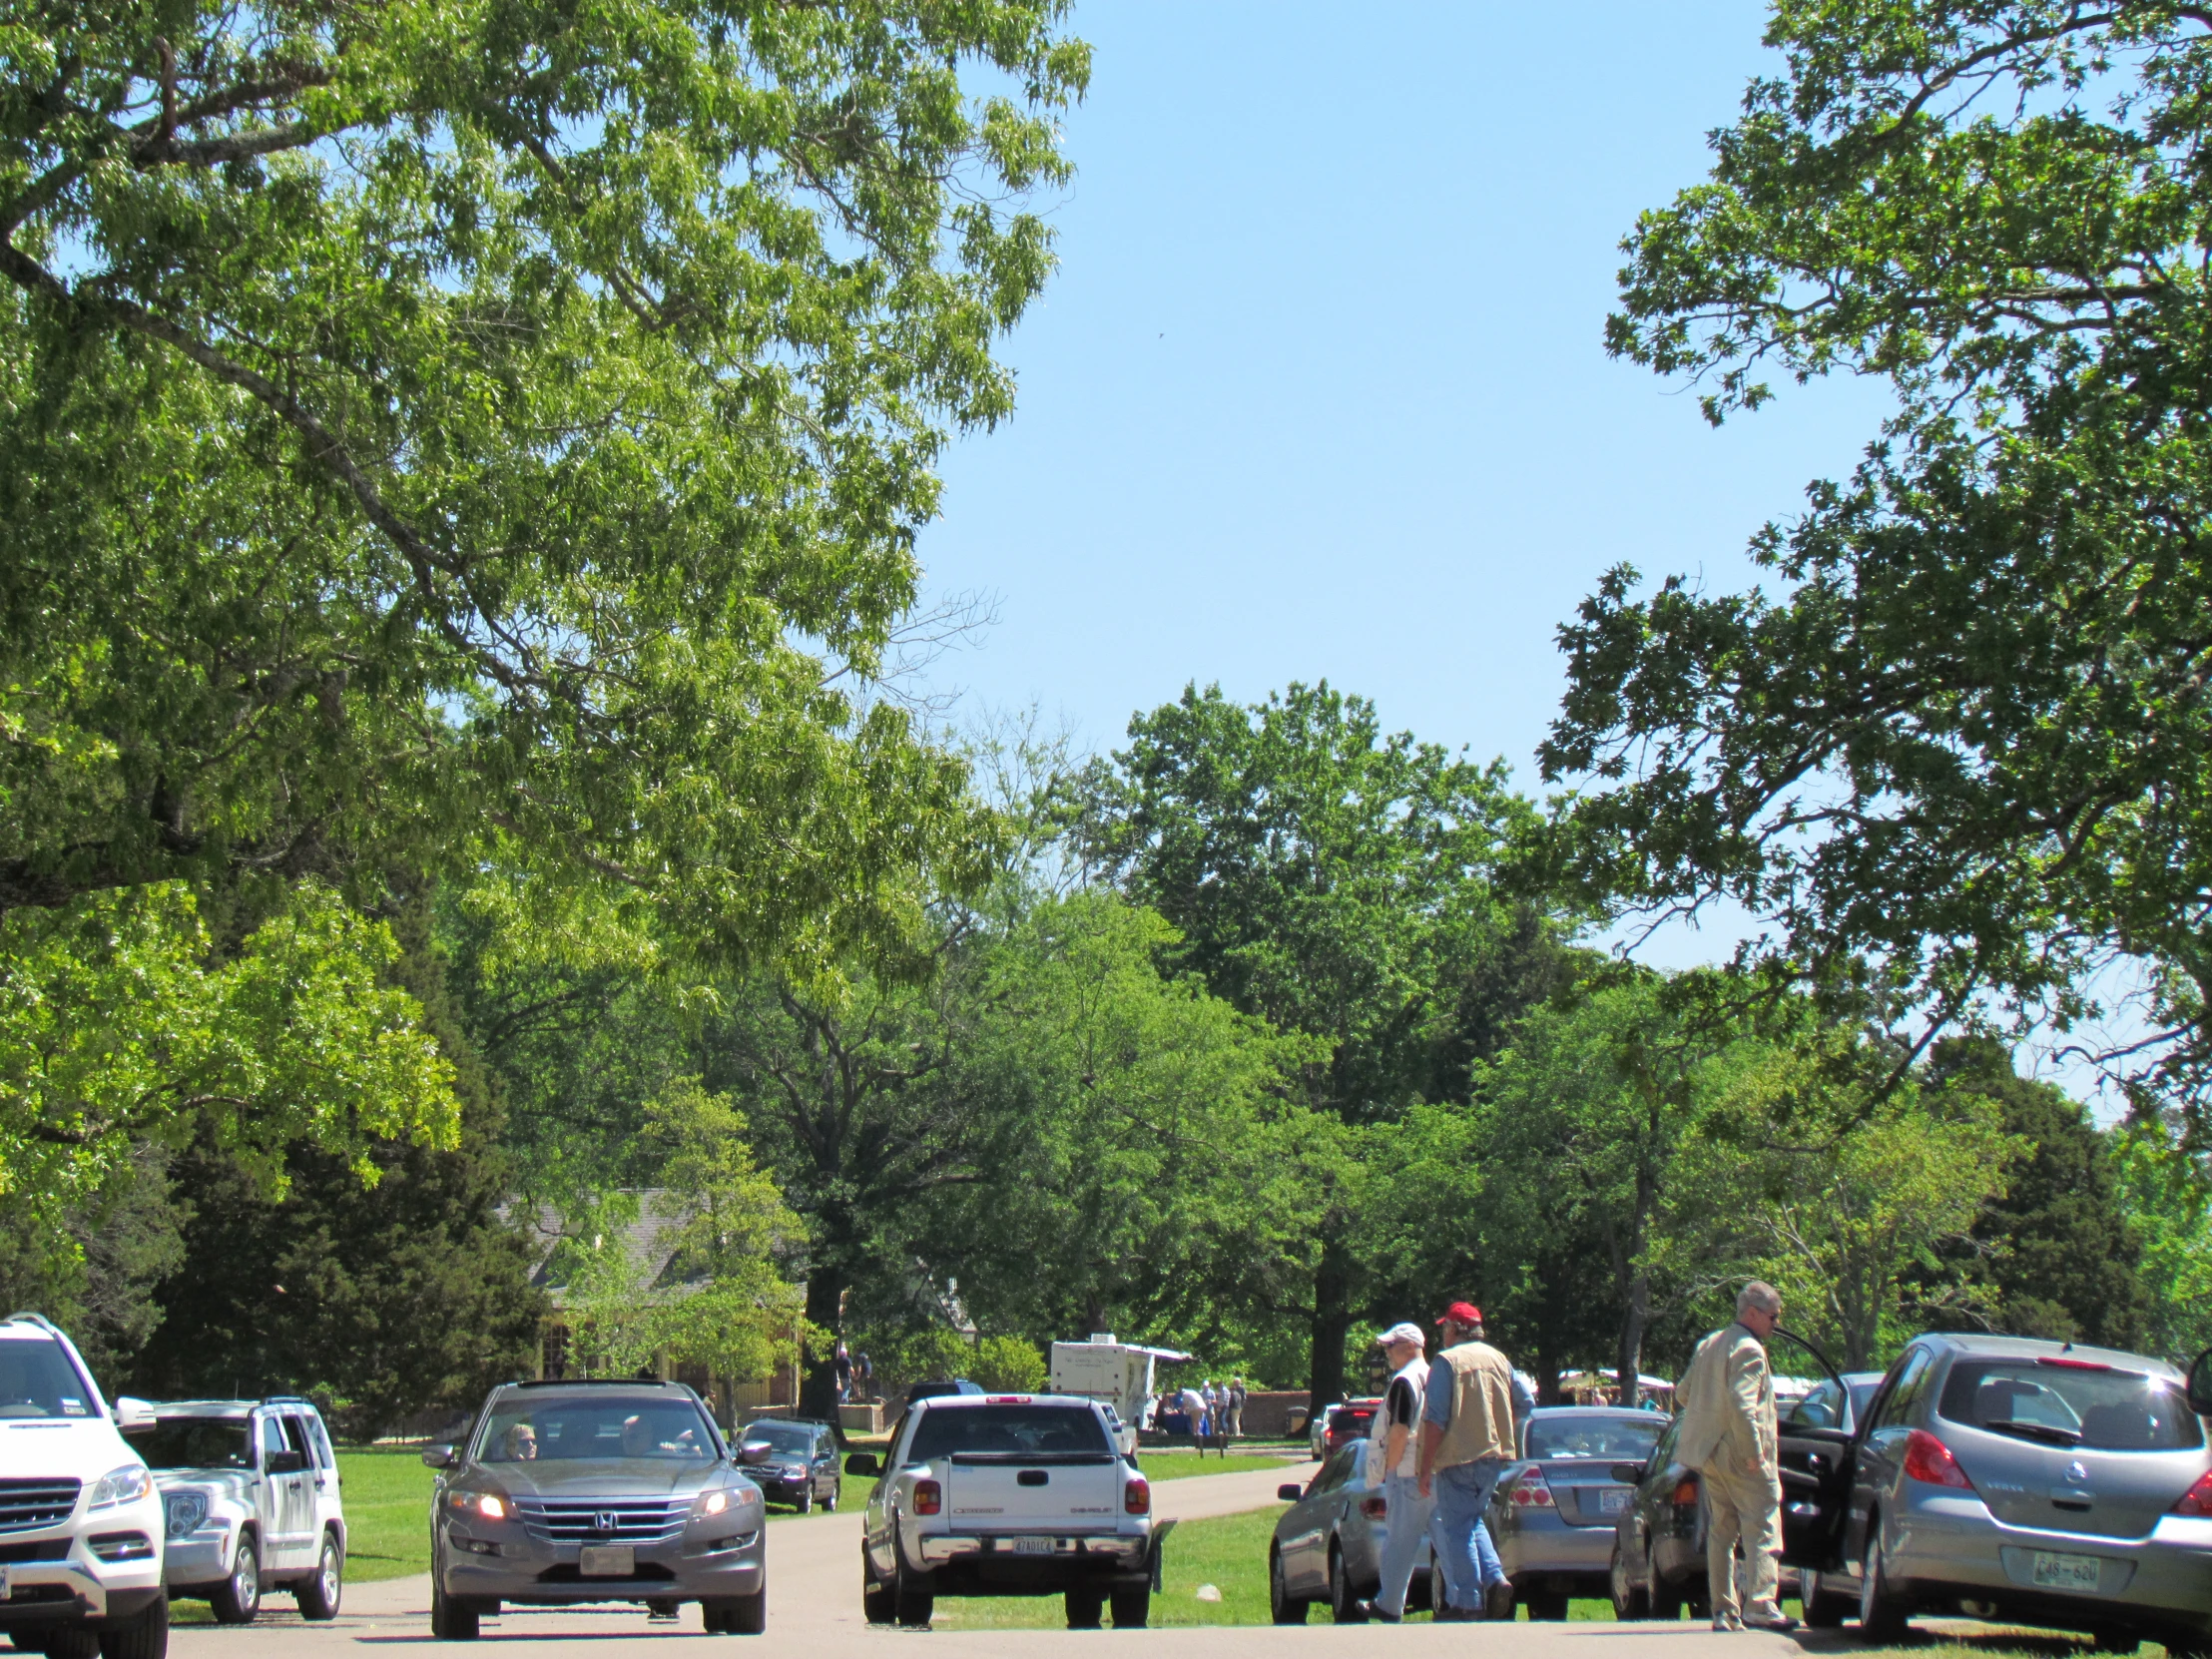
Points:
[(1006, 1399), (1685, 1491), (1533, 1492), (929, 1497), (1136, 1497), (1929, 1460), (2197, 1501), (2074, 1364)]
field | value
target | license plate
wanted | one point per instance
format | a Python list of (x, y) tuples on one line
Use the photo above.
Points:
[(2067, 1572), (1613, 1501), (607, 1560), (1031, 1547)]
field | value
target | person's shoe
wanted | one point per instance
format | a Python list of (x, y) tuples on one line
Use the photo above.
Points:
[(1498, 1600), (1721, 1622), (1369, 1610), (1777, 1621)]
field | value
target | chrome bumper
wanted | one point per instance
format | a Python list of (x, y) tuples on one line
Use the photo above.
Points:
[(1126, 1551)]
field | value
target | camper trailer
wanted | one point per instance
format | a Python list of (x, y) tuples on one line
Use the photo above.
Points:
[(1116, 1374)]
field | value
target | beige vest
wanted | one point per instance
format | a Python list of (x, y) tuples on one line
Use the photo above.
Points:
[(1481, 1405)]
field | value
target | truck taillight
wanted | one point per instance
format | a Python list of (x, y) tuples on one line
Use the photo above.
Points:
[(929, 1497), (2197, 1501), (1533, 1492), (1929, 1460), (1136, 1497)]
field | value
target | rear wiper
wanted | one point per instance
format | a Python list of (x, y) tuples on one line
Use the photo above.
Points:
[(2034, 1431)]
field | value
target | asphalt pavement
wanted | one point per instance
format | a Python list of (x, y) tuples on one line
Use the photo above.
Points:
[(814, 1577)]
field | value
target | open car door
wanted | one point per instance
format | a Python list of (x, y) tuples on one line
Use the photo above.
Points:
[(1816, 1479)]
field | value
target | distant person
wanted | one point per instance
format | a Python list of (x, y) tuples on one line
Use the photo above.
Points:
[(1194, 1411), (864, 1376), (1730, 1436), (1469, 1407), (1237, 1397), (1393, 1461), (844, 1373)]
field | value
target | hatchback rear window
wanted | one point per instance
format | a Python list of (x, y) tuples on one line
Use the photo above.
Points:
[(2072, 1405), (1009, 1431)]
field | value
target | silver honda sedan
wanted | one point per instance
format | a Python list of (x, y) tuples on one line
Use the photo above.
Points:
[(1553, 1514), (2002, 1477)]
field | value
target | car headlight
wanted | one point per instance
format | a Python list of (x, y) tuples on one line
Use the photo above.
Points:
[(709, 1504), (485, 1506), (123, 1485), (183, 1512)]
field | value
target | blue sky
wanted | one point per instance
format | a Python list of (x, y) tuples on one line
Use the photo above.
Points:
[(1319, 391)]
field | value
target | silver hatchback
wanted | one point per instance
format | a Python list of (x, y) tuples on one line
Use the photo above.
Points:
[(2008, 1478)]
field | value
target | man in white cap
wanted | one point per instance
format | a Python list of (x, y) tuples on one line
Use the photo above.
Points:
[(1393, 1463)]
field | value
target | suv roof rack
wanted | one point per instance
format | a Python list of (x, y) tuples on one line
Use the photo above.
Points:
[(595, 1382), (29, 1318), (285, 1400)]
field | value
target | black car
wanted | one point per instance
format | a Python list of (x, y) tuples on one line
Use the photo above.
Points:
[(793, 1463), (1658, 1564)]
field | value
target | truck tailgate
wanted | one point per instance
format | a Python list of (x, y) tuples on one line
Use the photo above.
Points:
[(991, 1491)]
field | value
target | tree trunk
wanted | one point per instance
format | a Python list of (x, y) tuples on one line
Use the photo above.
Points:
[(1635, 1316), (818, 1387), (1331, 1320)]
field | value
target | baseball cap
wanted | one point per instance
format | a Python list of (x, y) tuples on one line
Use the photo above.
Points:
[(1405, 1331), (1461, 1313)]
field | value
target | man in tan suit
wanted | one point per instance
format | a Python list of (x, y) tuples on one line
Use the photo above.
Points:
[(1729, 1436)]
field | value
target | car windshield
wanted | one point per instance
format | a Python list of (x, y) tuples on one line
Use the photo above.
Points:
[(198, 1443), (1629, 1437), (605, 1426), (1007, 1430), (783, 1437), (37, 1381), (2075, 1404)]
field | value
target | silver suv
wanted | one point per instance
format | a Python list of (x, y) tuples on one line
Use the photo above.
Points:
[(250, 1498), (80, 1521), (570, 1493)]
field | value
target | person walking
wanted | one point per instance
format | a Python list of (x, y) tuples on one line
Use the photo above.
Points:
[(1407, 1510), (1237, 1397), (1729, 1436), (1470, 1405)]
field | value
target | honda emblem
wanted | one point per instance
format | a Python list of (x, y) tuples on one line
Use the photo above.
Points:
[(605, 1520)]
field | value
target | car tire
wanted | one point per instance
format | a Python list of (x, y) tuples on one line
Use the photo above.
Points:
[(1439, 1593), (1344, 1601), (1666, 1599), (1283, 1607), (745, 1615), (70, 1642), (449, 1623), (319, 1595), (1825, 1608), (836, 1490), (238, 1599), (912, 1606), (1630, 1600), (1084, 1606), (1131, 1607), (805, 1503), (1881, 1616), (144, 1637)]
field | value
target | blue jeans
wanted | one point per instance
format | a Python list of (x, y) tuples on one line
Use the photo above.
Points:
[(1463, 1548), (1406, 1523)]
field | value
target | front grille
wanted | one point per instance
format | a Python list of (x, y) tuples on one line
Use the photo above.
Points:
[(648, 1572), (38, 1549), (25, 1504), (612, 1520)]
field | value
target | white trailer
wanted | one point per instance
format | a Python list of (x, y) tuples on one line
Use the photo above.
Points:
[(1116, 1374)]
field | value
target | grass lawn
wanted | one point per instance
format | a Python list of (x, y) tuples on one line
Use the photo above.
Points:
[(387, 1511), (1181, 1465), (1230, 1552)]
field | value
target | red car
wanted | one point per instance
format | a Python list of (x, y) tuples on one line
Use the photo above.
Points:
[(1350, 1421)]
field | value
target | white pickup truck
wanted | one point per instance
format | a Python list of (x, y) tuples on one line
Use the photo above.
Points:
[(1006, 1496)]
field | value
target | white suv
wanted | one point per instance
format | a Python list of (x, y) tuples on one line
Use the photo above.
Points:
[(250, 1493), (79, 1521)]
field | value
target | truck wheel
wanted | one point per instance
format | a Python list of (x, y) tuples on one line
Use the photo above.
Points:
[(144, 1637), (318, 1596), (1132, 1607), (1084, 1605), (449, 1623), (913, 1606), (876, 1600), (69, 1642), (1283, 1607), (239, 1598)]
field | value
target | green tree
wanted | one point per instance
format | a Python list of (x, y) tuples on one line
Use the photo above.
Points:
[(1330, 880), (1966, 739), (2166, 1191)]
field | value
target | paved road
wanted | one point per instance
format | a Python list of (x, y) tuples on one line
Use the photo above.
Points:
[(815, 1601)]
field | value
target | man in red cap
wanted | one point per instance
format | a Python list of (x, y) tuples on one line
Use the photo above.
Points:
[(1468, 1436)]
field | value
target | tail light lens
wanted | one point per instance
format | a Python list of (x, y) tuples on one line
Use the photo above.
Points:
[(1533, 1492), (1685, 1493), (1929, 1460), (2197, 1501), (1136, 1497), (1374, 1506), (929, 1497)]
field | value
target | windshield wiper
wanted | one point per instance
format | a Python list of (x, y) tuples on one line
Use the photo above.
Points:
[(2034, 1431)]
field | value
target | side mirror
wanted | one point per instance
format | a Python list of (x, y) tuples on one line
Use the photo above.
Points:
[(862, 1463), (1628, 1474), (1291, 1492), (2200, 1384), (134, 1416), (438, 1456), (754, 1451)]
